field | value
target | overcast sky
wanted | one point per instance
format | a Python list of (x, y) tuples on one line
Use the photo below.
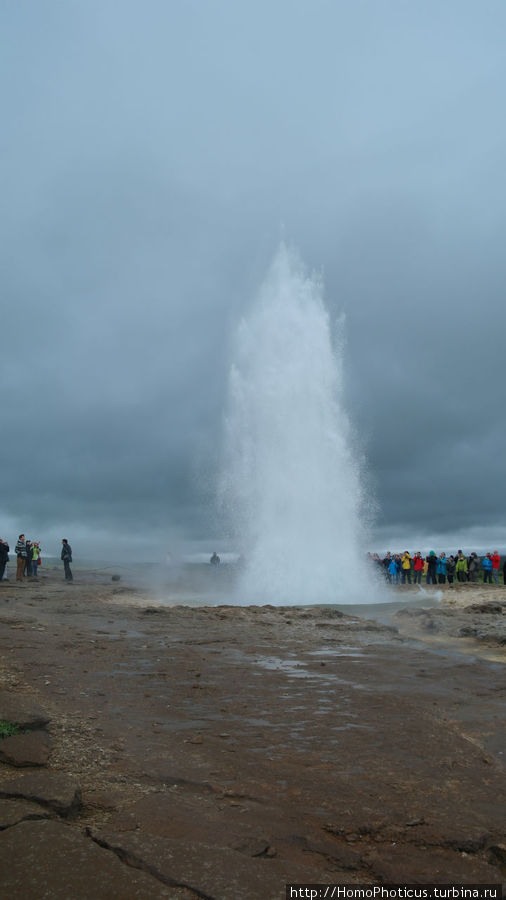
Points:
[(152, 154)]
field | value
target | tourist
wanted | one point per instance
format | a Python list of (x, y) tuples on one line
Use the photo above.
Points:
[(496, 565), (386, 564), (461, 567), (473, 567), (441, 569), (4, 557), (393, 570), (418, 567), (20, 551), (450, 569), (431, 560), (406, 567), (215, 559), (35, 557), (28, 561), (66, 556), (486, 565)]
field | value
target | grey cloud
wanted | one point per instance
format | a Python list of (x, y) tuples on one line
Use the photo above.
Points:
[(151, 158)]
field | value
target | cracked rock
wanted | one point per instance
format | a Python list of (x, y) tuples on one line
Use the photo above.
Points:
[(53, 859), (14, 811), (209, 871), (60, 793)]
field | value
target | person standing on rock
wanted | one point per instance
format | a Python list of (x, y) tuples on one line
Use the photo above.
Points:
[(28, 560), (418, 567), (486, 565), (4, 556), (496, 565), (406, 567), (20, 550), (461, 567), (35, 557), (441, 568), (431, 561), (473, 567), (450, 569), (66, 556)]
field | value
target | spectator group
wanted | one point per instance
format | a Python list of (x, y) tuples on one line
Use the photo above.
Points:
[(403, 568)]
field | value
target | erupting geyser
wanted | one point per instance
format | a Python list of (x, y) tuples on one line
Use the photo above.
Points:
[(291, 486)]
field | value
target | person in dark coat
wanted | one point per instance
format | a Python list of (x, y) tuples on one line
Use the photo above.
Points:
[(28, 561), (473, 567), (4, 556), (450, 569), (66, 556), (431, 567)]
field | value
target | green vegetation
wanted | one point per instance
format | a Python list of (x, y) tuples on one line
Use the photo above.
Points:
[(7, 729)]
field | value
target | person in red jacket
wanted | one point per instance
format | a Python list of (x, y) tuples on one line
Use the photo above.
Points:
[(418, 567), (496, 565)]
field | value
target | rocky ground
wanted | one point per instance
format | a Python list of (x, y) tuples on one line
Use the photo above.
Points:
[(221, 752)]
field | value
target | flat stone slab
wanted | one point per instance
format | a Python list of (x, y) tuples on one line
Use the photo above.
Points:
[(208, 871), (60, 793), (50, 859), (22, 711), (14, 811), (402, 864), (31, 749)]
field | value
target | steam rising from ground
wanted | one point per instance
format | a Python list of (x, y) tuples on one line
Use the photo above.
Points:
[(291, 485)]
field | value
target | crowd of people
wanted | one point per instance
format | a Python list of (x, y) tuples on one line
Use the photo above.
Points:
[(29, 558), (404, 568)]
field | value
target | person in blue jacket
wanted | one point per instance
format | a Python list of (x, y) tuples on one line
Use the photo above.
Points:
[(441, 568), (486, 565), (393, 570)]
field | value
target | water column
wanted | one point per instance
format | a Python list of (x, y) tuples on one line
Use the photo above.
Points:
[(291, 485)]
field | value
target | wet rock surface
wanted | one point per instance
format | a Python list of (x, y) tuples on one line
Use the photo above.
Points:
[(223, 751), (51, 860), (14, 811), (59, 793), (484, 622), (23, 750), (22, 711)]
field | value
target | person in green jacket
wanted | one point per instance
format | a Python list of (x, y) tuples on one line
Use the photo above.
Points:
[(461, 567), (35, 557)]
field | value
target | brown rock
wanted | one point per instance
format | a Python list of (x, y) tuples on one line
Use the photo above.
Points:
[(21, 711), (406, 864), (60, 793), (31, 749), (53, 859), (14, 811), (208, 871), (498, 852)]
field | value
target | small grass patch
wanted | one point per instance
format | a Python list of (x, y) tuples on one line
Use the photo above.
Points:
[(7, 729)]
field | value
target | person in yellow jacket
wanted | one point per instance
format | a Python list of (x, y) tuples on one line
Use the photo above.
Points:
[(461, 567), (406, 567)]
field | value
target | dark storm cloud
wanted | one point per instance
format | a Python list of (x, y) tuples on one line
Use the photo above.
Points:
[(152, 154)]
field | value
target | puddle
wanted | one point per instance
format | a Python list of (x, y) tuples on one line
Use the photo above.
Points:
[(341, 650)]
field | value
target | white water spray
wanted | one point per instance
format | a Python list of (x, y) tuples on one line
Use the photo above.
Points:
[(291, 485)]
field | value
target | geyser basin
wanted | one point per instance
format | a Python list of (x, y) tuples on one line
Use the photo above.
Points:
[(291, 484)]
